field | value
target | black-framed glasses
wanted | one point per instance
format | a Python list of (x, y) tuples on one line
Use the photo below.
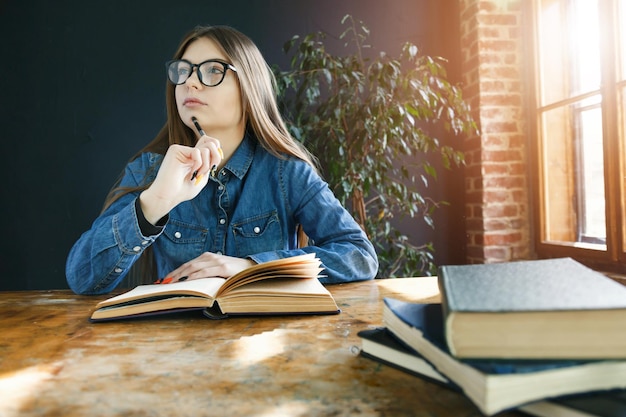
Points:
[(210, 72)]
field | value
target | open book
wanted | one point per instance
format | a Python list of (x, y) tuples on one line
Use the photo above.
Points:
[(282, 286)]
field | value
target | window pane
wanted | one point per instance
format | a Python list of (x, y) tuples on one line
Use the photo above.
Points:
[(585, 37), (592, 225), (569, 55), (551, 47), (558, 187), (573, 168), (621, 39)]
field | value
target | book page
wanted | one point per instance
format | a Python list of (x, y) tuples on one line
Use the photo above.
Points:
[(280, 287), (204, 287), (286, 296), (302, 266)]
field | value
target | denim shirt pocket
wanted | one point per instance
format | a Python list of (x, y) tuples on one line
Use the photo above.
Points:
[(183, 241), (261, 233)]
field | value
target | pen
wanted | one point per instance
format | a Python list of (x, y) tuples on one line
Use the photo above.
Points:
[(197, 125), (201, 132)]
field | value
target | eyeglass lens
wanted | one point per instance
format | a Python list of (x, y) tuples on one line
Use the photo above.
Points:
[(210, 73)]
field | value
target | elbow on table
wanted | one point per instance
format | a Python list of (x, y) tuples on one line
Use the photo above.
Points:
[(360, 268), (78, 280), (76, 284), (370, 264)]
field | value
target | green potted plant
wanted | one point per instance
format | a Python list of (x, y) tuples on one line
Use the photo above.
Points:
[(372, 119)]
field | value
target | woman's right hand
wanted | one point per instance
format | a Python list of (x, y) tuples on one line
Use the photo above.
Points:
[(173, 183)]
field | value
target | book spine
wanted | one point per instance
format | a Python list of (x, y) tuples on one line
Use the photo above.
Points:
[(446, 308)]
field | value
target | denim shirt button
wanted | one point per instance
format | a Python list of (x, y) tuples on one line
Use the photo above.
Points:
[(219, 252), (257, 230), (118, 270), (222, 221), (178, 235), (221, 187), (137, 248), (145, 242)]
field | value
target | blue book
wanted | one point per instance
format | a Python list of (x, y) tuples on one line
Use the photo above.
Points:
[(497, 385), (380, 345)]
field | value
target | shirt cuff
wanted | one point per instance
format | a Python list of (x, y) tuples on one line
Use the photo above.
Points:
[(147, 228)]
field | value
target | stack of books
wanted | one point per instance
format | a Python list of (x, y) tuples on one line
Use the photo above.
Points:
[(547, 337)]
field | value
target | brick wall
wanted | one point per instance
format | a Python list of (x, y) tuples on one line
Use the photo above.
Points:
[(497, 195)]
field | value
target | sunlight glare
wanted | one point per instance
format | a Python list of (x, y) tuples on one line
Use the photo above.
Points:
[(287, 410), (423, 289), (17, 387), (252, 349)]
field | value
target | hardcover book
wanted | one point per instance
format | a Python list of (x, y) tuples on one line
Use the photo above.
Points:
[(283, 286), (497, 385), (549, 309)]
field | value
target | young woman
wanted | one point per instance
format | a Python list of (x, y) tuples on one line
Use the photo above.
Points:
[(221, 187)]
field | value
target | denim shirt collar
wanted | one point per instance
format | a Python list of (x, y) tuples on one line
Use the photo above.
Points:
[(241, 160)]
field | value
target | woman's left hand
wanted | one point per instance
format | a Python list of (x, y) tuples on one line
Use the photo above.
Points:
[(210, 265)]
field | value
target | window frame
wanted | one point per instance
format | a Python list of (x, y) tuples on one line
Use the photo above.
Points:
[(613, 259)]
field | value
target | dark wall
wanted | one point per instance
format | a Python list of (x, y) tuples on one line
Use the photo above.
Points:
[(82, 89)]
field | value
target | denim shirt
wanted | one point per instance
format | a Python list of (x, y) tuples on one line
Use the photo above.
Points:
[(251, 208)]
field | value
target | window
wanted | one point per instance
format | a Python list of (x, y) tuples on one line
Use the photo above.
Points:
[(579, 119)]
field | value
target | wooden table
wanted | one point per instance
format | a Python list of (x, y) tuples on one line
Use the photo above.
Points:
[(54, 362)]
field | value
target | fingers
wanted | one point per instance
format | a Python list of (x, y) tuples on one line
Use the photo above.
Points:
[(214, 147), (206, 265), (208, 156), (183, 173), (201, 164)]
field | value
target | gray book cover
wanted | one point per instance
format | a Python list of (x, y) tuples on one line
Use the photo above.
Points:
[(536, 285)]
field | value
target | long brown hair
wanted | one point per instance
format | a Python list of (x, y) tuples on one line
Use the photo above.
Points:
[(258, 98)]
